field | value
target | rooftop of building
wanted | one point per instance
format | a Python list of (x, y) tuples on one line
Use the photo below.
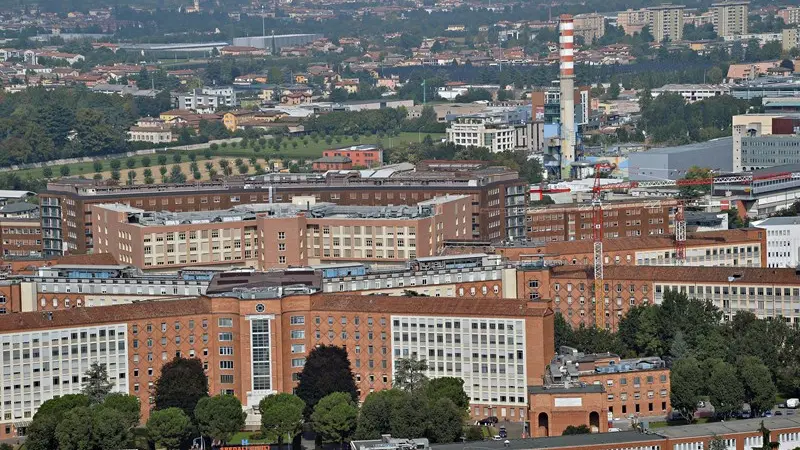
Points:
[(764, 276), (355, 148), (724, 142), (635, 203), (778, 221), (572, 388), (398, 175), (413, 306), (18, 208), (252, 211), (768, 82), (692, 87), (707, 430), (722, 237)]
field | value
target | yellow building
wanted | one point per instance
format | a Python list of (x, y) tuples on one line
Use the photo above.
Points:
[(300, 78)]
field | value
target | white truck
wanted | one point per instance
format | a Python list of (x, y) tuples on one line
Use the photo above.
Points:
[(792, 403)]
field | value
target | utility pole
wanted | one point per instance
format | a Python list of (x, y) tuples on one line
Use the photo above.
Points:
[(263, 27)]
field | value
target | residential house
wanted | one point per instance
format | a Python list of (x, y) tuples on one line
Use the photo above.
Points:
[(234, 120)]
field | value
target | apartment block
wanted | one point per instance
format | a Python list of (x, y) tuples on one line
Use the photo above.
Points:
[(255, 344), (633, 20), (620, 220), (766, 292), (498, 198), (730, 17), (590, 26), (783, 241), (666, 22), (206, 100), (279, 235), (790, 15), (494, 133)]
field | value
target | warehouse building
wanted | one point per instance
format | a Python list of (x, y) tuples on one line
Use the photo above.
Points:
[(672, 163)]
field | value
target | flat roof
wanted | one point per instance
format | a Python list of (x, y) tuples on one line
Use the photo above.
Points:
[(777, 221), (732, 426), (575, 441), (714, 143)]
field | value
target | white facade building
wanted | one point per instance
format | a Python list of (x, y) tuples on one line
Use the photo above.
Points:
[(39, 365), (783, 240), (488, 354), (497, 135), (692, 92), (207, 99)]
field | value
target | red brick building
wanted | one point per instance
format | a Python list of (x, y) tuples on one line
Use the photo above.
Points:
[(255, 344), (365, 156), (331, 163), (620, 220)]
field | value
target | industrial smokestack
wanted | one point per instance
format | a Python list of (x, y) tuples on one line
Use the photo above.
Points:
[(567, 83)]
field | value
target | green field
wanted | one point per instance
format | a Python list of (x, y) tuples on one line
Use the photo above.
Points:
[(311, 150)]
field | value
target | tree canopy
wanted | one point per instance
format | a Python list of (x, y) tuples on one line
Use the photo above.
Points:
[(281, 416), (182, 384), (334, 416), (327, 370), (169, 427), (219, 417)]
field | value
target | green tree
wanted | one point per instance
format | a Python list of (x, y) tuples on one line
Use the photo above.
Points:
[(130, 163), (131, 176), (572, 429), (327, 370), (410, 416), (41, 434), (162, 159), (115, 175), (281, 416), (47, 172), (220, 416), (410, 374), (98, 166), (176, 157), (109, 429), (375, 414), (182, 384), (687, 383), (446, 421), (724, 388), (127, 405), (97, 385), (696, 173), (334, 416), (146, 161), (163, 171), (74, 431), (169, 428), (64, 171), (448, 387), (760, 391), (115, 164)]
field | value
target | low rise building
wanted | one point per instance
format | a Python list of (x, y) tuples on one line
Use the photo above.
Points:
[(692, 92), (364, 156), (327, 163), (638, 386), (21, 236)]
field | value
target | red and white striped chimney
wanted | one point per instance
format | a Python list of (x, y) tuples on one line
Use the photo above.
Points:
[(567, 42), (567, 89)]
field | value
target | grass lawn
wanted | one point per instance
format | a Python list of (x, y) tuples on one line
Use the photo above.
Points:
[(303, 151)]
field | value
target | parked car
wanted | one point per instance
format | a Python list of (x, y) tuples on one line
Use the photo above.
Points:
[(767, 413), (497, 438), (503, 432), (778, 413), (491, 420)]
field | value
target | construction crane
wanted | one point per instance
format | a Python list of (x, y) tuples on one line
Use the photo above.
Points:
[(597, 243)]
